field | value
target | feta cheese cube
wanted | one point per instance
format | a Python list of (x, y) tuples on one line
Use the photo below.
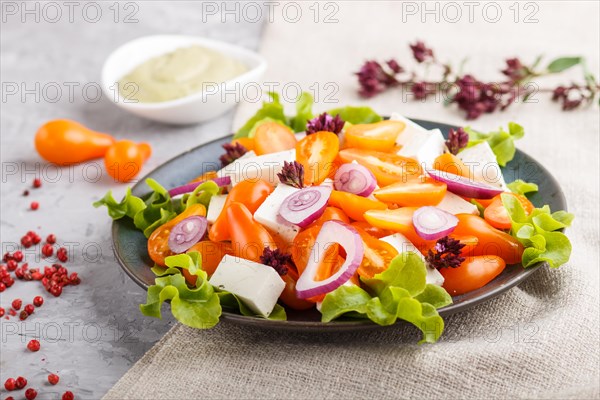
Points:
[(268, 213), (402, 244), (215, 207), (409, 130), (457, 205), (423, 146), (257, 285), (265, 167), (481, 162)]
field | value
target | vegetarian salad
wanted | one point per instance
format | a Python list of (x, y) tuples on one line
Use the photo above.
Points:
[(344, 212)]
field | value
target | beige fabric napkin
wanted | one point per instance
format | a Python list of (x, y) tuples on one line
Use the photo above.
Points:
[(540, 340)]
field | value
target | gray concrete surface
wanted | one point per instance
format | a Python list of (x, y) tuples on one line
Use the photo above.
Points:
[(94, 332)]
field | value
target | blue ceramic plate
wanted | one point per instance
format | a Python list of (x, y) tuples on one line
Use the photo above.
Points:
[(130, 244)]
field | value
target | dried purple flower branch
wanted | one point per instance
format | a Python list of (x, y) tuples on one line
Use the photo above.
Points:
[(292, 174), (276, 259), (325, 122), (471, 95), (447, 254), (233, 151)]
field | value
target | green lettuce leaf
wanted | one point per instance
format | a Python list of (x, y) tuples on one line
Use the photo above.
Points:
[(303, 112), (400, 292), (538, 232), (502, 142), (521, 187), (198, 307), (129, 206), (356, 115), (201, 195), (272, 109)]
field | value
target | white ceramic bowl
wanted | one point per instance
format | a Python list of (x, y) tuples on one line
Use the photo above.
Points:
[(197, 107)]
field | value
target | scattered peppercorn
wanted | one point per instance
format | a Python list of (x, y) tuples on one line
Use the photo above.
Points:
[(47, 250), (35, 205), (53, 379), (16, 304), (11, 265), (61, 254), (23, 315), (18, 256), (21, 382), (68, 395), (10, 384), (2, 311), (25, 192), (51, 239), (29, 309), (33, 345), (38, 301), (37, 182), (26, 241), (30, 394)]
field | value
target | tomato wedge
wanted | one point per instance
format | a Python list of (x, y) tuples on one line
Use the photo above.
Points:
[(248, 238), (317, 153), (372, 230), (211, 254), (497, 216), (388, 168), (472, 274), (414, 193), (247, 142), (158, 242), (353, 205), (491, 240), (378, 255), (399, 220), (271, 137), (380, 136), (450, 163), (288, 296), (248, 192)]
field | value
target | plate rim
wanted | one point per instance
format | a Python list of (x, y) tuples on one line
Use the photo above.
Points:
[(355, 324)]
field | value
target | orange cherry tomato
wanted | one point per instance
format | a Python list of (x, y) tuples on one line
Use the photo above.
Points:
[(379, 136), (378, 255), (399, 220), (331, 213), (301, 251), (372, 230), (317, 153), (247, 142), (271, 137), (289, 296), (248, 237), (65, 142), (388, 168), (414, 193), (124, 159), (211, 254), (158, 242), (249, 192), (491, 240), (353, 205), (205, 177), (472, 274), (450, 163), (497, 215)]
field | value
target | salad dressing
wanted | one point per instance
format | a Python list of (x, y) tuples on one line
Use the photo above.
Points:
[(177, 74)]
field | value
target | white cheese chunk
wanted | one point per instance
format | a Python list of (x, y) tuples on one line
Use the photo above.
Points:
[(268, 213), (457, 205), (215, 207), (402, 244), (264, 167), (423, 146), (257, 285), (409, 130), (482, 164)]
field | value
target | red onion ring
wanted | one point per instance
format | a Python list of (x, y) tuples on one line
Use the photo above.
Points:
[(190, 187), (356, 179), (305, 206), (331, 232), (464, 186), (432, 223), (187, 233)]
